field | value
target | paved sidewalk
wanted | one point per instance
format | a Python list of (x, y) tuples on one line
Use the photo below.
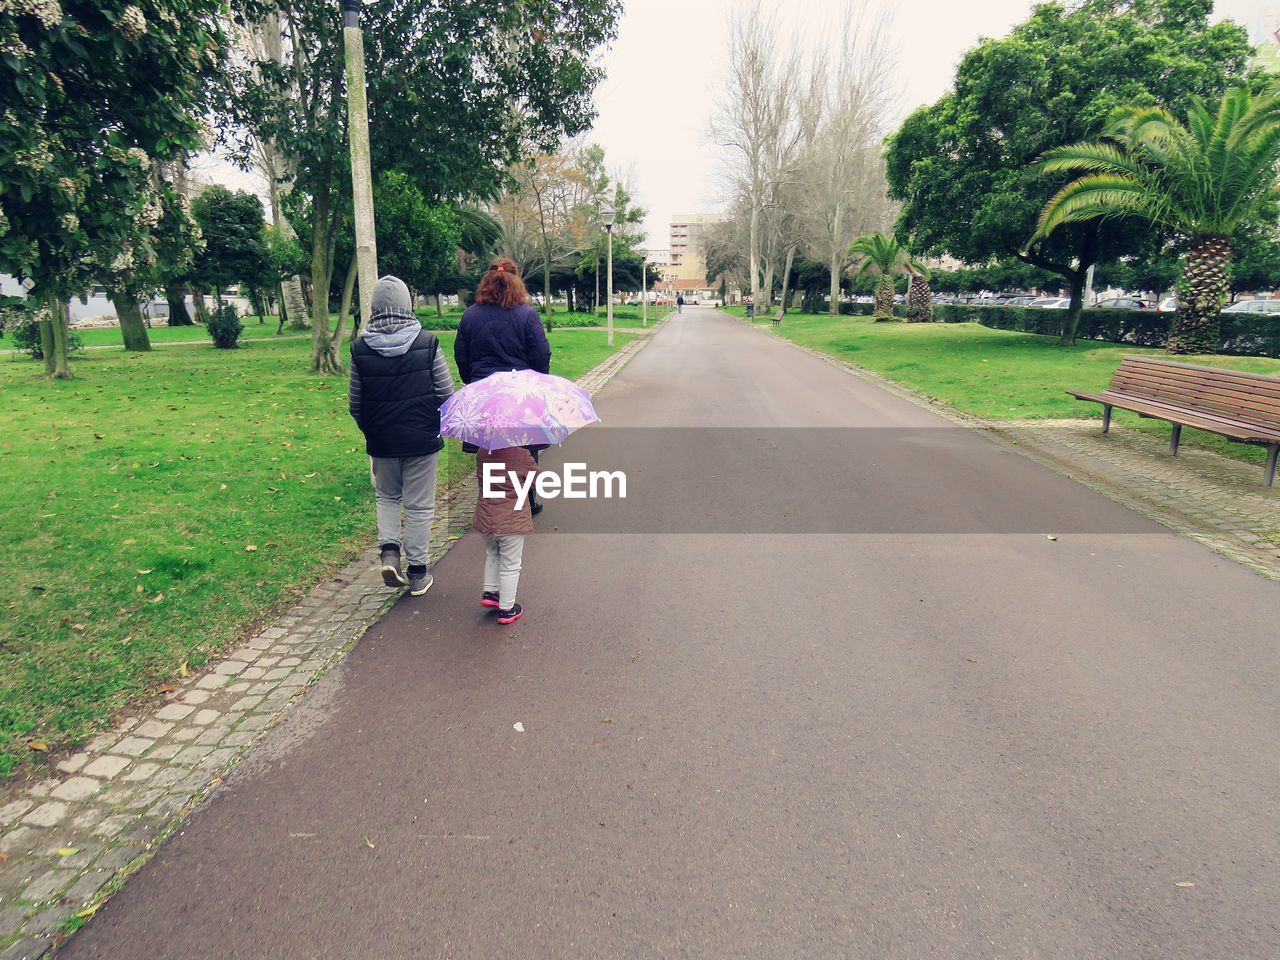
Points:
[(68, 842)]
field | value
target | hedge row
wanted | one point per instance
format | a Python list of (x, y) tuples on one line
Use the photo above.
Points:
[(1243, 334), (431, 322)]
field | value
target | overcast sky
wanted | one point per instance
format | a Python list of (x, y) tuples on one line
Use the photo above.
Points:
[(666, 69)]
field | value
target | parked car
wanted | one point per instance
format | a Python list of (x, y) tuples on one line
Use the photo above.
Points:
[(1019, 301), (1168, 305), (1253, 306), (1124, 303), (1051, 303)]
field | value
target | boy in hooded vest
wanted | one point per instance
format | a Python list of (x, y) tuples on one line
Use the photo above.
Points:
[(399, 379)]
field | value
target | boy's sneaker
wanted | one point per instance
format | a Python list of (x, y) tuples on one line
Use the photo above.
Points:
[(419, 581), (512, 615), (489, 599), (391, 574)]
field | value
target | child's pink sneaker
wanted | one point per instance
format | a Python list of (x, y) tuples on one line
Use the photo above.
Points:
[(512, 615), (489, 599)]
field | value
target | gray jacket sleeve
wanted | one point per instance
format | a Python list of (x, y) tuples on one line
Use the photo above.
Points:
[(353, 393), (442, 378)]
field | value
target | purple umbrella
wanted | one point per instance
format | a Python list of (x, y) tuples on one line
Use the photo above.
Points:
[(518, 408)]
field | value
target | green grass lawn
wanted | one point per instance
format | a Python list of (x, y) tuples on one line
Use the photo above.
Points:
[(129, 497), (253, 330), (997, 374)]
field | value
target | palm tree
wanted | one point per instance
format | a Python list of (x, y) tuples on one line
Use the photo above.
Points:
[(1203, 179), (919, 297), (884, 255)]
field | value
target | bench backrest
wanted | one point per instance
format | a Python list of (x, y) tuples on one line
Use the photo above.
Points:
[(1249, 396)]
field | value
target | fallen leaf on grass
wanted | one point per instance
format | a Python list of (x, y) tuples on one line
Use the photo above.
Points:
[(251, 548), (39, 746), (78, 627), (1050, 536), (3, 857), (368, 843), (130, 542), (1184, 883), (184, 670), (88, 911), (68, 851), (143, 573), (166, 688), (158, 598)]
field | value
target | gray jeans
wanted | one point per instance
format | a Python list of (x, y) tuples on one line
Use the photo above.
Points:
[(502, 566), (408, 484)]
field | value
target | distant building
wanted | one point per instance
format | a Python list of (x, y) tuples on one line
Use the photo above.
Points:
[(687, 272)]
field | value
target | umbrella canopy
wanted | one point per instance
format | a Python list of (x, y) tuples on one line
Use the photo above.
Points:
[(517, 408)]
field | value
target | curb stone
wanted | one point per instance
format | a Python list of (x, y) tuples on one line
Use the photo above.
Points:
[(1212, 499), (68, 842)]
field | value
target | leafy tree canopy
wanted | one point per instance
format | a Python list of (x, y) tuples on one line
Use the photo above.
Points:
[(961, 166), (233, 226), (96, 94)]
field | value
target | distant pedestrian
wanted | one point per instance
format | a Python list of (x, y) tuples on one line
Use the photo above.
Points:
[(680, 303), (503, 521), (399, 378)]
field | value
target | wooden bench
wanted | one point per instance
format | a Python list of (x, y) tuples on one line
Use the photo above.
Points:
[(777, 317), (1244, 407)]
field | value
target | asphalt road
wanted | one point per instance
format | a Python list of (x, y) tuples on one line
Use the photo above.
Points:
[(907, 740)]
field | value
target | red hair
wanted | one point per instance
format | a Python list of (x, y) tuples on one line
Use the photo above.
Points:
[(502, 286)]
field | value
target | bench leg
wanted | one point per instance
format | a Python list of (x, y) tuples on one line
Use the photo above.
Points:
[(1273, 453), (1174, 439), (1106, 418)]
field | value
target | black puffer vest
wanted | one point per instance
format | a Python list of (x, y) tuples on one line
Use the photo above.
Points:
[(399, 410)]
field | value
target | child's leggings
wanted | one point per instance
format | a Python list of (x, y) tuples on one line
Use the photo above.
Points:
[(502, 566)]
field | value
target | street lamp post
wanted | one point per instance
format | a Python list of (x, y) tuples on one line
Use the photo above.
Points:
[(606, 217), (644, 289), (358, 137)]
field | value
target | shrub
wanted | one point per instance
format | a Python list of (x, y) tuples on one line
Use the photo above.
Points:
[(225, 327), (26, 337), (1243, 334)]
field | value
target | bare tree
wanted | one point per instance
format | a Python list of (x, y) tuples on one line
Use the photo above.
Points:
[(841, 191), (756, 121), (262, 42)]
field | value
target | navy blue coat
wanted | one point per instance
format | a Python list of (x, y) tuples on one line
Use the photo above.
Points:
[(491, 339)]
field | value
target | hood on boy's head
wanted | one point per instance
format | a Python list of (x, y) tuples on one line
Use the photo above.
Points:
[(392, 327)]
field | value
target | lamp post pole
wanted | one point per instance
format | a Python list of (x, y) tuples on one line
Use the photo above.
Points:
[(607, 217), (644, 290), (358, 137)]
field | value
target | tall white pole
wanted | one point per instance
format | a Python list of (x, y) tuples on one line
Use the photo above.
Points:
[(644, 290), (609, 286), (361, 175)]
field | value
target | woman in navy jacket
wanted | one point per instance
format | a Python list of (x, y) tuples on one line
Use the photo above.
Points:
[(500, 331)]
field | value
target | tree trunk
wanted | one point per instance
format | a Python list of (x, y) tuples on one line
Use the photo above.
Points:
[(546, 288), (753, 255), (1196, 325), (1071, 322), (176, 295), (786, 278), (439, 308), (919, 299), (884, 298), (768, 287), (202, 311), (53, 341), (133, 328), (348, 291), (322, 348), (837, 263)]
